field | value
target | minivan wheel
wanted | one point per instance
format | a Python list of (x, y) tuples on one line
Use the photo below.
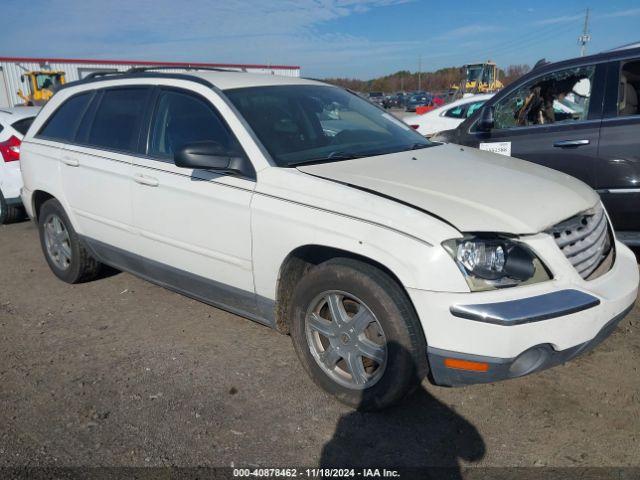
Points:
[(9, 213), (67, 257), (357, 334)]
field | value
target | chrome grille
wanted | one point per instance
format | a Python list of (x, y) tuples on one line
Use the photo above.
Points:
[(586, 241)]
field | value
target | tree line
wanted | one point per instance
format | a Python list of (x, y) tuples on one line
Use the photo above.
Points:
[(405, 81)]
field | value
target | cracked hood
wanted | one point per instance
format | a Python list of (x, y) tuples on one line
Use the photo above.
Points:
[(473, 190)]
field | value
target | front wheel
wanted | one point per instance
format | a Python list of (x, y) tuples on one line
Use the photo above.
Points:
[(357, 334)]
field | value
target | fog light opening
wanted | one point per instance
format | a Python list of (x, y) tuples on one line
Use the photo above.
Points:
[(528, 361)]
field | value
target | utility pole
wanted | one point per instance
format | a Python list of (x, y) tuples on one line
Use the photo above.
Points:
[(586, 36), (420, 73)]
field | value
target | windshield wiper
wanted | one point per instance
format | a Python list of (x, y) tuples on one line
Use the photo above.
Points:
[(333, 156), (417, 146)]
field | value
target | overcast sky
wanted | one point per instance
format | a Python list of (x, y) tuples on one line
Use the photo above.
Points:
[(353, 38)]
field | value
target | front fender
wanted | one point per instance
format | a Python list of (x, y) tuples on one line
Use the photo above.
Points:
[(281, 226)]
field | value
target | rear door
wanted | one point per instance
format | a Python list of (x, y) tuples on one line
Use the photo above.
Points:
[(618, 165), (194, 225), (553, 120), (96, 167)]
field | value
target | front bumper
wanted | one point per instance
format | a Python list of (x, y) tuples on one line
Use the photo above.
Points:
[(512, 332), (533, 360)]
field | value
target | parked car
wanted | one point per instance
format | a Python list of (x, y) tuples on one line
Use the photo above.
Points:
[(14, 123), (383, 255), (416, 101), (377, 97), (579, 116), (398, 100), (446, 117), (438, 100)]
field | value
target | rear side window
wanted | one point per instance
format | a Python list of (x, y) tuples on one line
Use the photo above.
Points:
[(473, 107), (62, 124), (23, 125), (117, 121)]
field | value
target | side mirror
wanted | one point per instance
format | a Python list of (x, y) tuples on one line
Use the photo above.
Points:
[(486, 122), (209, 155)]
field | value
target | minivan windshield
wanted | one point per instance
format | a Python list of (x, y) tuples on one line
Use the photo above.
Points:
[(300, 124)]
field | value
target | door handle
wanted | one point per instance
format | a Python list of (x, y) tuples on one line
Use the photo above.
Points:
[(72, 162), (571, 143), (144, 180)]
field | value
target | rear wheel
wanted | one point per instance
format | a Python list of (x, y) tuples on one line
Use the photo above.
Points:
[(9, 213), (357, 334), (65, 253)]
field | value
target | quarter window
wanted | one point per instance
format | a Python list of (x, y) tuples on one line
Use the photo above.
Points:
[(116, 124), (62, 124), (181, 119), (561, 96), (23, 125)]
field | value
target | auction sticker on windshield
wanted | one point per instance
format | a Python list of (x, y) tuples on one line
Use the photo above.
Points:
[(503, 148)]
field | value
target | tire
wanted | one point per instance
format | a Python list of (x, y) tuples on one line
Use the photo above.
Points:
[(10, 213), (353, 284), (80, 266)]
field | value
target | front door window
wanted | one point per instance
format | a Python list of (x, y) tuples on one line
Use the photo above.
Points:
[(561, 96)]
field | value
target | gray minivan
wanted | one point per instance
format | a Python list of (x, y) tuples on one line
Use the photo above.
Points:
[(579, 116)]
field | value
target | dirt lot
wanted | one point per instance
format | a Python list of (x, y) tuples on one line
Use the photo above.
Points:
[(121, 372)]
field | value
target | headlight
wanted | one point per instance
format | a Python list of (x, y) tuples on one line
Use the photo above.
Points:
[(489, 262)]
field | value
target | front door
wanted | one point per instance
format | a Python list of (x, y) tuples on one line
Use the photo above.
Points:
[(194, 225), (553, 120)]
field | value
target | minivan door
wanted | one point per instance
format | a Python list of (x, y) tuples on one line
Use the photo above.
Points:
[(552, 120), (194, 225), (618, 165)]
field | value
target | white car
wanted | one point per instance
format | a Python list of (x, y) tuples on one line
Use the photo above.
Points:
[(383, 255), (447, 116), (14, 123)]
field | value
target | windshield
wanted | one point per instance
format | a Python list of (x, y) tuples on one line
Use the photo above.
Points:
[(47, 80), (473, 73), (308, 123)]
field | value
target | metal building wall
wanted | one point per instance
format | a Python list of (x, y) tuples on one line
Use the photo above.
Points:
[(12, 71)]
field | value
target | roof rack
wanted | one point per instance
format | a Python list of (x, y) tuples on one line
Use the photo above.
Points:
[(625, 47), (540, 63), (102, 73), (179, 67)]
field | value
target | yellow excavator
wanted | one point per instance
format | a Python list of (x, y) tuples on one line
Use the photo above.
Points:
[(40, 85), (479, 78)]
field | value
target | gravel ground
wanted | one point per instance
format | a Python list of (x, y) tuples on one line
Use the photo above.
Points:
[(121, 372)]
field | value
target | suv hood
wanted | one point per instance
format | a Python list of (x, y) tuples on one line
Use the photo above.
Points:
[(472, 190)]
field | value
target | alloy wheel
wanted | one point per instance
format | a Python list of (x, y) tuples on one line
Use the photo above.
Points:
[(58, 242), (346, 339)]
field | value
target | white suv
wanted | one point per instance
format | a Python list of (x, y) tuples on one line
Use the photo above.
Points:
[(14, 123), (306, 208)]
